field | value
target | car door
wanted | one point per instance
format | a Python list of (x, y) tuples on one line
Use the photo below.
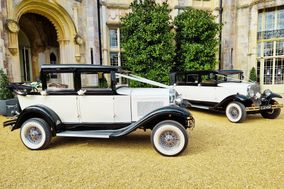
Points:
[(96, 104), (200, 89), (61, 96)]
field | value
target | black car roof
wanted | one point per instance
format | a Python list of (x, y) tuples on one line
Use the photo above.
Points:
[(197, 72), (203, 72), (227, 72), (72, 67)]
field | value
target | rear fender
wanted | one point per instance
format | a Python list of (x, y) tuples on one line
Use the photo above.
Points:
[(42, 112)]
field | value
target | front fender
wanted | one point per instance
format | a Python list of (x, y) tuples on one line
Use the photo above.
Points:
[(172, 112), (39, 111), (237, 97), (275, 95)]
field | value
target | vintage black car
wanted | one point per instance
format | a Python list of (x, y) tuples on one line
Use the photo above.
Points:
[(85, 101), (226, 91)]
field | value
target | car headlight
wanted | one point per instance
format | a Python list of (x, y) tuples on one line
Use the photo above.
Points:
[(258, 95), (178, 100), (267, 92), (253, 91)]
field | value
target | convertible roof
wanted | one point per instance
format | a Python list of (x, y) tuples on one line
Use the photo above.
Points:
[(197, 72), (228, 72), (72, 67)]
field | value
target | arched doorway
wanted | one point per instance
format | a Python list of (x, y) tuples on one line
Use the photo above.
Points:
[(37, 41), (63, 40)]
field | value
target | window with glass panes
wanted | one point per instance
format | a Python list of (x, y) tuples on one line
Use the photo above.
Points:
[(115, 51), (270, 47), (116, 57)]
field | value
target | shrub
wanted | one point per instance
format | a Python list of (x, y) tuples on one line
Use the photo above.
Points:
[(196, 40), (148, 41), (5, 93)]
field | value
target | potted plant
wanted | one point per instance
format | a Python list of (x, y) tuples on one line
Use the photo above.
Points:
[(8, 103)]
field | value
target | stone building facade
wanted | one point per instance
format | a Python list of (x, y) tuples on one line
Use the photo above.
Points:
[(35, 32)]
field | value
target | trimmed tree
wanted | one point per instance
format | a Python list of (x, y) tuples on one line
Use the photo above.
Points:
[(196, 40), (148, 41), (252, 74)]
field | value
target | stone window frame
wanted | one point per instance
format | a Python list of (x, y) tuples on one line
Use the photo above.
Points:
[(268, 74), (116, 50)]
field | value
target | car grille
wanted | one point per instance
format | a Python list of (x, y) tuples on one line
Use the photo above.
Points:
[(146, 107)]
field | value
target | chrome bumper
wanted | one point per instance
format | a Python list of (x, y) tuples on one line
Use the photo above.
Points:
[(259, 108)]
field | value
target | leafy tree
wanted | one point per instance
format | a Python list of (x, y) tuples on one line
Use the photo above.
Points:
[(148, 40), (252, 74), (196, 40), (5, 93)]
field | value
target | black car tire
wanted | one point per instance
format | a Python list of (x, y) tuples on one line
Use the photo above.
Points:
[(236, 112), (35, 134), (169, 138), (271, 114)]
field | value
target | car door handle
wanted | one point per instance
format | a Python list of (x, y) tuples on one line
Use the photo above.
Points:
[(81, 92)]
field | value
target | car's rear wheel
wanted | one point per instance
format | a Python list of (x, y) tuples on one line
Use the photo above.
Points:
[(236, 112), (271, 114), (35, 134), (169, 138)]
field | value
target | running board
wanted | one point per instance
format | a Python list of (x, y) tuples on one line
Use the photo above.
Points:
[(200, 107), (85, 134)]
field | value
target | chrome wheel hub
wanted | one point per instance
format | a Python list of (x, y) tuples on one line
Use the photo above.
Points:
[(234, 112), (169, 139), (34, 135)]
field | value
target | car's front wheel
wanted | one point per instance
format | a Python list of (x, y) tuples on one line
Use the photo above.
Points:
[(236, 112), (35, 134), (271, 114), (169, 138)]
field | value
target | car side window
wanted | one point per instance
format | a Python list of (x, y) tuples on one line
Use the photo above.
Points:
[(59, 81), (208, 80), (180, 79), (96, 81), (192, 79)]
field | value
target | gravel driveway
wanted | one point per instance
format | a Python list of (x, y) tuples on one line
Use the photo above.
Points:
[(220, 155)]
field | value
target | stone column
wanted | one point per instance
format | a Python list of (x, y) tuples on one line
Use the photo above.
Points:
[(2, 45), (104, 35), (91, 27), (67, 54)]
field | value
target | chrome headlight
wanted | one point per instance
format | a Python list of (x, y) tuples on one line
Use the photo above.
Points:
[(178, 100), (253, 91), (267, 92)]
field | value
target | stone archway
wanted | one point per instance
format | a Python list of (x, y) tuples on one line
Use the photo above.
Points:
[(65, 28), (63, 23), (42, 40)]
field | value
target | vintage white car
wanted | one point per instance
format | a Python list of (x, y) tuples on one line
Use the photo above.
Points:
[(226, 91), (84, 101)]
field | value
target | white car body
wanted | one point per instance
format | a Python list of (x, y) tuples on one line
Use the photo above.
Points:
[(212, 94), (85, 101), (129, 106), (225, 91)]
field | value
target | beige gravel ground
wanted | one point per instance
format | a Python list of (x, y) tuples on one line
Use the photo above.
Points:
[(220, 155)]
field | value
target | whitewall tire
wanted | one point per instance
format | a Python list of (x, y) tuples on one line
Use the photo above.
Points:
[(169, 138), (236, 112), (35, 134)]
